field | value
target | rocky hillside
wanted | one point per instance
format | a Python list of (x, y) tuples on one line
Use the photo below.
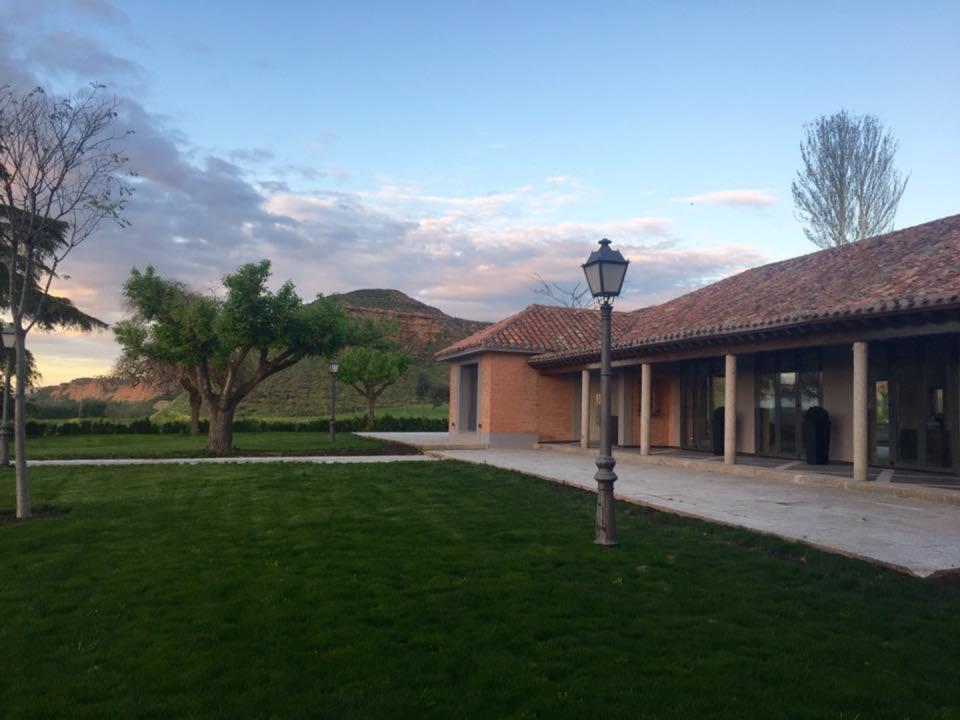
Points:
[(99, 389), (423, 329), (303, 390)]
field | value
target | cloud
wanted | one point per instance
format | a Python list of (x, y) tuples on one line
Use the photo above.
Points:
[(197, 215), (731, 198)]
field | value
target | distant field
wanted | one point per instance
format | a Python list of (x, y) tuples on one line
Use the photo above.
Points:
[(174, 446)]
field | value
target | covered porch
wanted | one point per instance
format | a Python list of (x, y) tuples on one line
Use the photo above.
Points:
[(893, 404)]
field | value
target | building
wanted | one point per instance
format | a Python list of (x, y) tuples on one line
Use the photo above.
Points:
[(868, 331)]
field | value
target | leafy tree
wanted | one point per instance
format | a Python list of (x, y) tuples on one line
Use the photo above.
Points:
[(138, 364), (227, 345), (59, 180), (440, 394), (848, 188), (424, 385), (371, 370)]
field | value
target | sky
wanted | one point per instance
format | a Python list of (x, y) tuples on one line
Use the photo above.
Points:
[(456, 150)]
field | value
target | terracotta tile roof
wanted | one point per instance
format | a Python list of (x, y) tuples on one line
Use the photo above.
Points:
[(543, 328), (917, 267)]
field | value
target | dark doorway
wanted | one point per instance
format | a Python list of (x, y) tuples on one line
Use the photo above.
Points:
[(467, 400)]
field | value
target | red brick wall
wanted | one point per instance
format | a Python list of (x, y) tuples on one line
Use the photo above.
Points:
[(555, 406), (509, 386), (515, 398)]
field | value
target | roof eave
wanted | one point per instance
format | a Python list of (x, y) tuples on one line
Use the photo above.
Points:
[(479, 349), (741, 333)]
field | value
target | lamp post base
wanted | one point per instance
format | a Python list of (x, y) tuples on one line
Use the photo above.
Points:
[(606, 525)]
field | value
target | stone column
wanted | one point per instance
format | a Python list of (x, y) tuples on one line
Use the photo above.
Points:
[(730, 411), (585, 408), (646, 402), (860, 447)]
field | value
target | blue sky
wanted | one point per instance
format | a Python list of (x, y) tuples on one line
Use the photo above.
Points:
[(452, 149)]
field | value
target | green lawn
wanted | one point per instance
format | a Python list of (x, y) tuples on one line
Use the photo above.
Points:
[(244, 443), (439, 590)]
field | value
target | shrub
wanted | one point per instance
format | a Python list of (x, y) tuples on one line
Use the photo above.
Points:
[(145, 426)]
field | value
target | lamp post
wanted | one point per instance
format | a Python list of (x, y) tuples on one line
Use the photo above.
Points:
[(605, 270), (9, 338), (334, 368)]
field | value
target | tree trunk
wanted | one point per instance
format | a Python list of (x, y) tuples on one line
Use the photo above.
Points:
[(5, 421), (195, 402), (371, 403), (220, 437), (20, 433)]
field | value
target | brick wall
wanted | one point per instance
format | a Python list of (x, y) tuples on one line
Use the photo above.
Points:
[(509, 385), (555, 401), (515, 398)]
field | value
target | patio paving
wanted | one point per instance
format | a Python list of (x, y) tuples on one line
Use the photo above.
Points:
[(910, 534), (428, 440)]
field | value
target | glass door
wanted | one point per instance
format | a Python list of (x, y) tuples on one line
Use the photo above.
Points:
[(702, 392), (788, 384), (912, 418)]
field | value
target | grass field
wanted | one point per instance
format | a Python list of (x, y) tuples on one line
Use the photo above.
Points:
[(173, 446), (438, 590)]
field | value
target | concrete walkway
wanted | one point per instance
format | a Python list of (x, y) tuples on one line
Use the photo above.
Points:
[(251, 460), (430, 440), (912, 535)]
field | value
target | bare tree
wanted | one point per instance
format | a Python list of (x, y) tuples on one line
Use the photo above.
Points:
[(59, 168), (848, 188), (576, 296)]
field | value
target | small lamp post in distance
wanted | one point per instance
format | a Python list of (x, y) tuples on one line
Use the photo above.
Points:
[(334, 369)]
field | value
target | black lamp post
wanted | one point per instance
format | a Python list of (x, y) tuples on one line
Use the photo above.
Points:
[(9, 338), (334, 368), (605, 270)]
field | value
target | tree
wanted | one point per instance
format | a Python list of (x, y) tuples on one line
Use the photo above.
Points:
[(58, 181), (371, 370), (167, 377), (138, 364), (228, 345), (575, 296), (848, 188), (424, 385), (440, 395), (428, 389)]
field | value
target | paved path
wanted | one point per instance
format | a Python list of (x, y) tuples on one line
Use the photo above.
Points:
[(917, 536), (315, 459), (430, 440)]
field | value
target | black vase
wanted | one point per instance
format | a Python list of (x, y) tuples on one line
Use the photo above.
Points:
[(716, 427), (816, 436)]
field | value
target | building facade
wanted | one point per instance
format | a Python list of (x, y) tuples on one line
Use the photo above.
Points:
[(870, 332)]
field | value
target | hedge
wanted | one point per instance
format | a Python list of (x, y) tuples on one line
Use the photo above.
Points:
[(145, 426)]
